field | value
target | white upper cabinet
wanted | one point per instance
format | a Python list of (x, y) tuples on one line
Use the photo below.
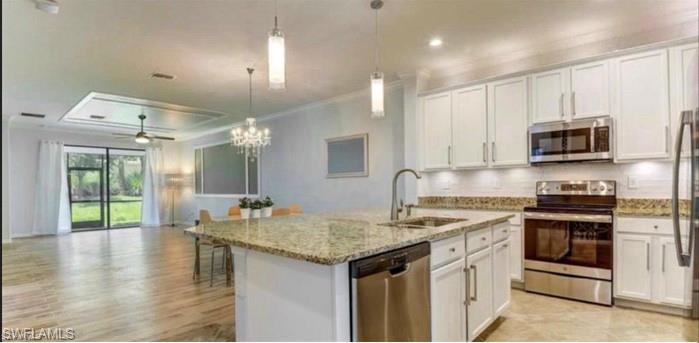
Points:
[(581, 91), (436, 125), (684, 84), (548, 95), (508, 118), (470, 127), (641, 105), (589, 90)]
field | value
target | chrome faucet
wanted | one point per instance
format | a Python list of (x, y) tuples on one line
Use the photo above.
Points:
[(395, 209)]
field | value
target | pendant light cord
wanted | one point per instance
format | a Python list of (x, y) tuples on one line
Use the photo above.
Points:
[(376, 40), (250, 70), (275, 15)]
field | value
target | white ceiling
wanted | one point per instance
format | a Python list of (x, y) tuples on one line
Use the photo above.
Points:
[(51, 62)]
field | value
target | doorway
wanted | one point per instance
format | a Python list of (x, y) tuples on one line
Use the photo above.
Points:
[(105, 187)]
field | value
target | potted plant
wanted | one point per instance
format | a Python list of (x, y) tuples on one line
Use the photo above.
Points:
[(267, 205), (244, 204), (256, 207)]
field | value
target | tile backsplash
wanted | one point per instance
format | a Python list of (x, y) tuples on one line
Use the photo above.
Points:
[(647, 179)]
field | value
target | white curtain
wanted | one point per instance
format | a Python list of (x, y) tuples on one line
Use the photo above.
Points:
[(152, 187), (51, 206)]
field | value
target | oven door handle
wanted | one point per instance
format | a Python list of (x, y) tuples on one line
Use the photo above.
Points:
[(591, 218)]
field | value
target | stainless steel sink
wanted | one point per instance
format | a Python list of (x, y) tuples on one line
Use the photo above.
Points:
[(423, 222)]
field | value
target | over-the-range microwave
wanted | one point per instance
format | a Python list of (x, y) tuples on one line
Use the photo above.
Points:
[(580, 140)]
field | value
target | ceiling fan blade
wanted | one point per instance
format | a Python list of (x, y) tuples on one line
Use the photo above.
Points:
[(122, 134), (162, 138)]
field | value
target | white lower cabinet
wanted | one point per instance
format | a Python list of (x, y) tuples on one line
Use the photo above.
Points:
[(516, 253), (646, 265), (672, 282), (480, 287), (633, 266), (448, 285), (470, 287), (501, 277)]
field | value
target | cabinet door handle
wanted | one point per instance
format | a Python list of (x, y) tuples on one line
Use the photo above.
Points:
[(492, 151), (452, 249), (485, 153), (449, 154), (662, 267), (475, 283), (572, 103), (560, 105), (468, 286), (647, 256), (667, 139)]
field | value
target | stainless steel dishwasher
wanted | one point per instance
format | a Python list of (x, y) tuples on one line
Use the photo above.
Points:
[(391, 296)]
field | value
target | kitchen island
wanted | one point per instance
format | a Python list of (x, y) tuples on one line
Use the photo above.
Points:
[(291, 273)]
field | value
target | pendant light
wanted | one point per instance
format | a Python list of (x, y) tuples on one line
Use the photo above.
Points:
[(276, 52), (250, 140), (377, 76)]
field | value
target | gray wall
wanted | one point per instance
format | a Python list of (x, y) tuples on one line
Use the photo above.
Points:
[(292, 168)]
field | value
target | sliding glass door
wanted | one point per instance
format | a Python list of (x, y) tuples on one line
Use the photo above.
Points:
[(86, 197), (105, 187), (125, 187)]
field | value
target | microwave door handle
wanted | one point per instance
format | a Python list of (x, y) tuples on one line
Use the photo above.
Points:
[(685, 120)]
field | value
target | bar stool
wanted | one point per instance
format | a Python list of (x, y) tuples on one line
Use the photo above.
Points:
[(205, 218)]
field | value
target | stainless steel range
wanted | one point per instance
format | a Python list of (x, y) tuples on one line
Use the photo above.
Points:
[(568, 246)]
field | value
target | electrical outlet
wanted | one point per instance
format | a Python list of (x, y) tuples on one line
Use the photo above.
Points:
[(632, 181), (496, 183)]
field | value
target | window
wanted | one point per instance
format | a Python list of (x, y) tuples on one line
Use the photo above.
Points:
[(220, 170)]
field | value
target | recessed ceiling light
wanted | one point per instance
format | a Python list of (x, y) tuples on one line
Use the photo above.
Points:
[(436, 42)]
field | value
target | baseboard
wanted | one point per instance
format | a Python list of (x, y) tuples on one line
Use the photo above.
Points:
[(22, 235), (517, 284), (639, 305)]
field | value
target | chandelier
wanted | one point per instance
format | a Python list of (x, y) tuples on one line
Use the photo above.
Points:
[(249, 139)]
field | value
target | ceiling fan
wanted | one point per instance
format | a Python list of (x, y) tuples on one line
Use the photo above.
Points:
[(142, 137)]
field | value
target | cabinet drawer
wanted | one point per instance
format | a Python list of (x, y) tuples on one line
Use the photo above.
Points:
[(478, 240), (447, 250), (501, 231), (649, 225)]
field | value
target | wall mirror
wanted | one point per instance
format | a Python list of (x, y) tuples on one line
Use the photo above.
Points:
[(347, 156)]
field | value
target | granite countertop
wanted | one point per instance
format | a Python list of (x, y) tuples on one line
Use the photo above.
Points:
[(642, 207), (626, 207), (334, 238)]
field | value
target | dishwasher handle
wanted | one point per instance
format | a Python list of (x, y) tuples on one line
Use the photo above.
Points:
[(399, 271), (395, 263)]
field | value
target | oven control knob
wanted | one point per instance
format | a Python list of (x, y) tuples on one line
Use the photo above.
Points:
[(602, 188)]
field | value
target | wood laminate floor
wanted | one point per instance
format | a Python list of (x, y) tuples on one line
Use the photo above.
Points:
[(136, 284), (117, 285)]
